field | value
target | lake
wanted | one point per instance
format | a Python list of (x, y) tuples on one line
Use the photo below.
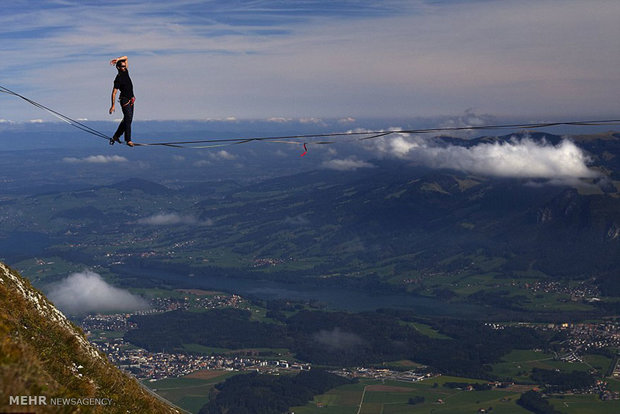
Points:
[(332, 298)]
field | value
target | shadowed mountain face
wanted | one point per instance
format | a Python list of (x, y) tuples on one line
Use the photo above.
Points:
[(44, 355), (394, 211)]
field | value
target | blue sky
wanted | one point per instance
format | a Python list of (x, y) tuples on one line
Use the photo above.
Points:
[(276, 59)]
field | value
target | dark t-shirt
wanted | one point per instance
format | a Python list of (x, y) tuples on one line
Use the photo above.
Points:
[(123, 83)]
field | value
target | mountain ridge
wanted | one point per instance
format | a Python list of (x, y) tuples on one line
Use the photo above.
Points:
[(44, 358)]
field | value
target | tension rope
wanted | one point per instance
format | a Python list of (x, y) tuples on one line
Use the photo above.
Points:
[(58, 115), (294, 139)]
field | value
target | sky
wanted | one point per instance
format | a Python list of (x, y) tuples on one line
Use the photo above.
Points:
[(308, 59)]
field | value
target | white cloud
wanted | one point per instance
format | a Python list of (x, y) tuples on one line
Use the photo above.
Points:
[(347, 120), (96, 159), (87, 292), (347, 164), (522, 158), (223, 155), (167, 219), (279, 120), (222, 119)]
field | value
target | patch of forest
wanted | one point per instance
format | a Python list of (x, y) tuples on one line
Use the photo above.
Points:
[(267, 394)]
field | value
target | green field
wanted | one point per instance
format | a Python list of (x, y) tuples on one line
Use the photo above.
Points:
[(599, 362), (427, 330), (585, 404), (391, 397), (613, 384), (188, 393), (48, 269), (519, 363), (340, 400)]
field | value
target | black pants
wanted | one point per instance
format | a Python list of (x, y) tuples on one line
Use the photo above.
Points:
[(125, 125)]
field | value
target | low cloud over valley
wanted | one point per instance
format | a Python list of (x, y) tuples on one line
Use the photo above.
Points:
[(86, 292)]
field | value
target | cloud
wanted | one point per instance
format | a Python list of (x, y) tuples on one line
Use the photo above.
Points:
[(201, 163), (347, 120), (266, 58), (223, 155), (167, 219), (337, 339), (222, 119), (87, 292), (96, 159), (468, 119), (523, 158), (297, 221), (279, 120), (347, 164)]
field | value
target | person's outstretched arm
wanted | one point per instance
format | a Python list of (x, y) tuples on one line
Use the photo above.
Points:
[(113, 61)]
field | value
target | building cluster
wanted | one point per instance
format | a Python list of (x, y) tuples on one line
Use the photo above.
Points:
[(269, 261), (148, 365), (115, 322), (157, 365), (583, 291), (581, 337), (382, 374), (166, 304), (601, 388), (608, 395), (120, 321), (584, 337)]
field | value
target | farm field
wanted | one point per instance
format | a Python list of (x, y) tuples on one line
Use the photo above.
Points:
[(519, 363), (584, 404), (392, 397), (190, 392)]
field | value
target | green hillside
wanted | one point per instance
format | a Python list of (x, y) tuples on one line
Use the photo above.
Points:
[(43, 355)]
